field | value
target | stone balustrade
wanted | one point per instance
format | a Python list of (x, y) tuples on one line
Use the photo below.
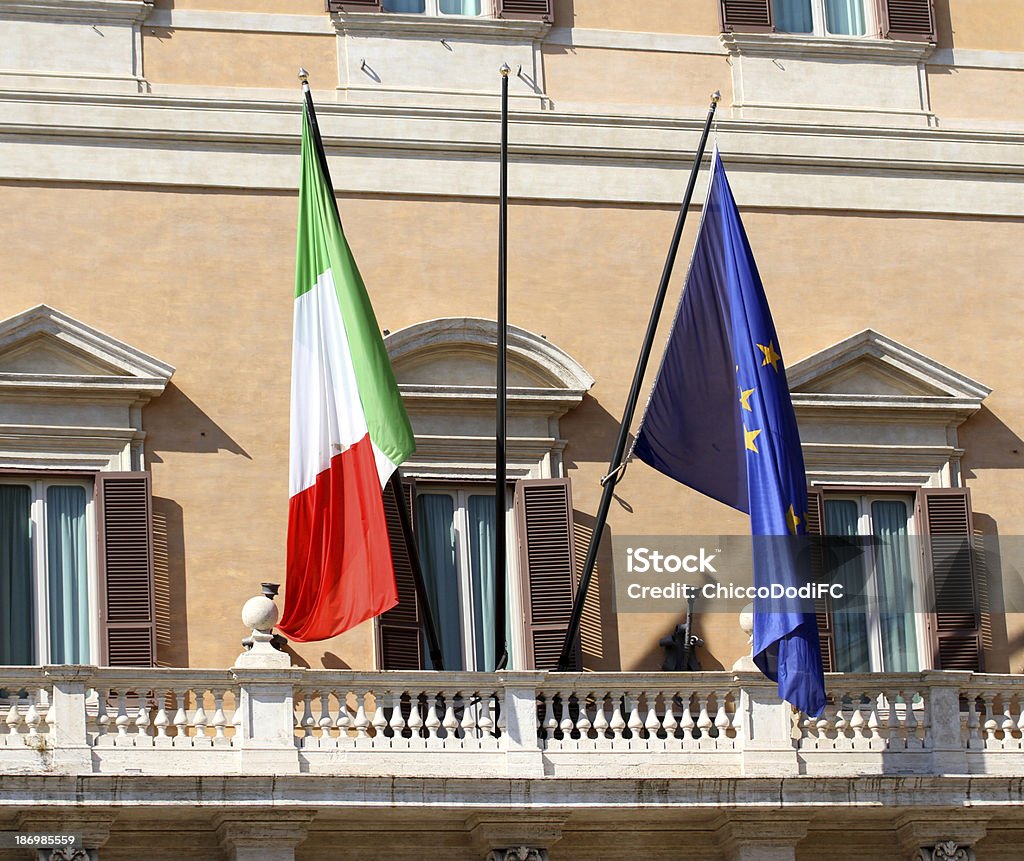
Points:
[(81, 719)]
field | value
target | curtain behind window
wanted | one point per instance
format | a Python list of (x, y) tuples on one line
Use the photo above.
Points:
[(460, 7), (481, 546), (435, 537), (895, 587), (407, 6), (846, 566), (845, 17), (17, 613), (67, 573), (793, 16)]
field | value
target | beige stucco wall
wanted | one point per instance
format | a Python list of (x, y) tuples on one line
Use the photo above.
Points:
[(993, 25), (652, 16), (203, 279), (976, 97)]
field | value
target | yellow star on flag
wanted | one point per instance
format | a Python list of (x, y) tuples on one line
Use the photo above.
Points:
[(751, 435), (792, 520), (770, 356), (745, 399)]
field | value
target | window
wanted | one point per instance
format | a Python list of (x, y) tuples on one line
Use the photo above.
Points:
[(47, 567), (436, 7), (876, 624), (822, 17)]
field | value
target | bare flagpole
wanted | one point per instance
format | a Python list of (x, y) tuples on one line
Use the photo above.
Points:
[(501, 431), (618, 454)]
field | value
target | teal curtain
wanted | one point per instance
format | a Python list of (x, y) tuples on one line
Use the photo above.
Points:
[(845, 17), (846, 567), (793, 16), (17, 603), (435, 531), (481, 546), (460, 7), (895, 586), (67, 574), (407, 6)]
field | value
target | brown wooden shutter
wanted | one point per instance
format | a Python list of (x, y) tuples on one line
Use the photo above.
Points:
[(399, 644), (944, 520), (548, 567), (822, 606), (747, 16), (541, 10), (125, 542), (907, 19), (353, 5)]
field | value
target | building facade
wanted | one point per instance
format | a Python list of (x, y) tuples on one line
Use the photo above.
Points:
[(149, 177)]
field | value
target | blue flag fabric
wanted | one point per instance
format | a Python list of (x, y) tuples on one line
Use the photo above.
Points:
[(720, 420)]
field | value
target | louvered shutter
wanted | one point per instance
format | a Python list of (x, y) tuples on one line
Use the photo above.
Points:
[(125, 542), (944, 518), (822, 606), (548, 567), (907, 19), (542, 10), (399, 645), (747, 16), (353, 5)]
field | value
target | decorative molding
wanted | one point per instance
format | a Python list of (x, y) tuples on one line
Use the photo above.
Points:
[(520, 853), (241, 22), (623, 40), (949, 850), (87, 11), (865, 49), (435, 26)]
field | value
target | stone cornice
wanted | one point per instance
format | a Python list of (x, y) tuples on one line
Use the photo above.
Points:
[(435, 27), (790, 45), (89, 11)]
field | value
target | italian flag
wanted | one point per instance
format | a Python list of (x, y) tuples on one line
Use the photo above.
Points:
[(349, 430)]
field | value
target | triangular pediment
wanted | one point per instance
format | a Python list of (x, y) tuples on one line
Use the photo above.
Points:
[(43, 346), (870, 365)]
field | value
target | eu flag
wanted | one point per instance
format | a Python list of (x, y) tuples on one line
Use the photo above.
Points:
[(721, 421)]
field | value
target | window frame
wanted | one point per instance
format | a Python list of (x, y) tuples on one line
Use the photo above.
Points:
[(38, 483), (819, 22), (460, 491), (432, 9)]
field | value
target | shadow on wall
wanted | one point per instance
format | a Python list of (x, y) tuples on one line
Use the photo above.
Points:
[(992, 595), (989, 444), (174, 422), (169, 584)]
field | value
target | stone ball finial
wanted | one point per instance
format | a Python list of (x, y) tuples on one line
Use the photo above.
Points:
[(260, 613), (747, 621)]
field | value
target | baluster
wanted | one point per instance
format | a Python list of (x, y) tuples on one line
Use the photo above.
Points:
[(583, 724), (162, 718), (32, 714), (1020, 716), (380, 721), (306, 722), (102, 718), (722, 721), (893, 729), (344, 718), (13, 718), (199, 719), (51, 712), (841, 723), (566, 725), (704, 722), (415, 715), (911, 722), (549, 724), (669, 722), (142, 718), (687, 724), (501, 723), (326, 721), (634, 723), (397, 722), (181, 716), (121, 721), (470, 708), (361, 722), (652, 724), (450, 722), (618, 721), (873, 724), (1007, 722), (857, 722), (219, 720), (433, 722), (973, 721), (236, 718), (484, 720), (601, 725), (990, 726)]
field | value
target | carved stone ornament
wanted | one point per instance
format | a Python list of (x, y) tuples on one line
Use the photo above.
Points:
[(518, 853), (65, 853), (949, 850)]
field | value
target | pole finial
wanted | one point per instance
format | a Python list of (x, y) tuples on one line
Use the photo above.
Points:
[(716, 97), (505, 70), (304, 76)]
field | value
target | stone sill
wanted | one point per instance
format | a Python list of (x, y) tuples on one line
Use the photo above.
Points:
[(867, 48), (388, 24)]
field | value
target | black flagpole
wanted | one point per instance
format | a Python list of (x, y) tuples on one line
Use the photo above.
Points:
[(433, 642), (615, 465), (500, 579)]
